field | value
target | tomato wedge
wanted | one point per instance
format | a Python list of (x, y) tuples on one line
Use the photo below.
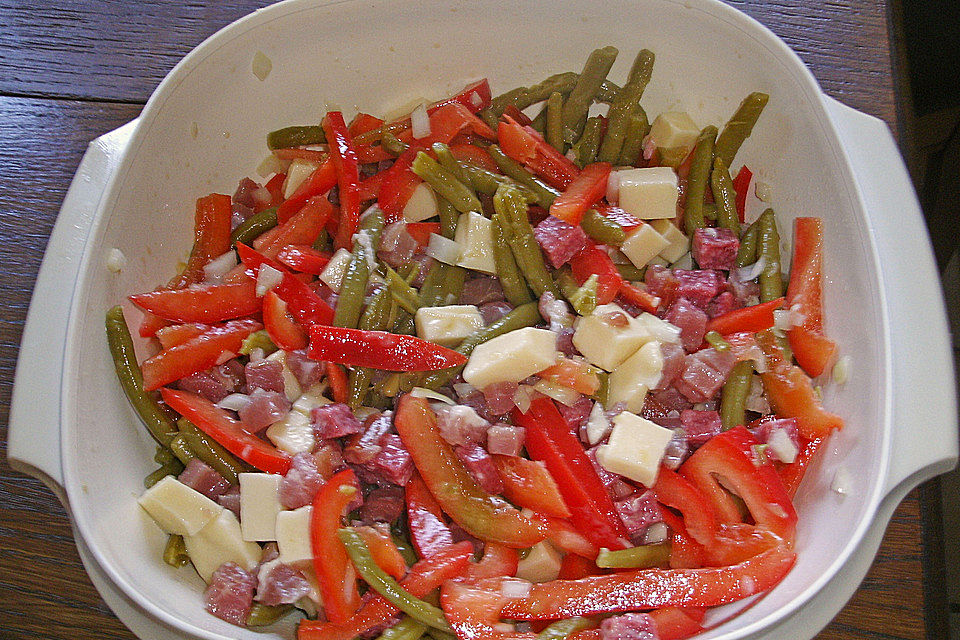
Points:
[(812, 349), (527, 146), (335, 573), (398, 184), (594, 260), (284, 332), (527, 483), (573, 374), (173, 334), (582, 193), (302, 302), (205, 303), (229, 432), (379, 350)]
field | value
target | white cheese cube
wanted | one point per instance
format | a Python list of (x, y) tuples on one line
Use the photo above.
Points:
[(635, 448), (609, 335), (639, 373), (674, 130), (649, 193), (541, 564), (218, 542), (332, 274), (448, 325), (259, 506), (291, 386), (685, 262), (421, 205), (659, 328), (679, 242), (598, 427), (177, 508), (298, 171), (643, 244), (475, 236), (511, 357), (294, 434), (293, 536), (311, 399)]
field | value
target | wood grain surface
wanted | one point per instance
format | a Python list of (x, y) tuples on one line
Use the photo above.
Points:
[(72, 70)]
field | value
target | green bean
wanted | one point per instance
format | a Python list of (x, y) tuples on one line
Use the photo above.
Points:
[(449, 216), (374, 318), (492, 114), (710, 210), (582, 298), (638, 126), (405, 549), (407, 629), (353, 286), (405, 323), (445, 184), (602, 229), (477, 178), (608, 91), (747, 253), (526, 315), (554, 132), (544, 193), (163, 455), (211, 452), (443, 282), (631, 272), (740, 125), (583, 93), (175, 552), (586, 147), (514, 287), (172, 468), (539, 122), (624, 106), (261, 615), (257, 340), (251, 228), (698, 179), (768, 246), (717, 341), (562, 629), (726, 198), (643, 557), (519, 234), (296, 136), (131, 379), (447, 160), (733, 396), (562, 83), (436, 634), (181, 449), (386, 586), (392, 144), (406, 296)]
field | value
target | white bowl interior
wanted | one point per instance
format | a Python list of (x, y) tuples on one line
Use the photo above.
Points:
[(204, 129)]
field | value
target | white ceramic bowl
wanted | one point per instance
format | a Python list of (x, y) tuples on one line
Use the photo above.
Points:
[(204, 128)]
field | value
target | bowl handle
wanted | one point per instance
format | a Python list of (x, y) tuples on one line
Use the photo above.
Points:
[(33, 438), (923, 401)]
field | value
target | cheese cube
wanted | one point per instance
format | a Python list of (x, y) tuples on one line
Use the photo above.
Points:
[(639, 373), (298, 171), (541, 564), (643, 244), (598, 427), (177, 508), (635, 448), (609, 335), (332, 274), (259, 505), (421, 205), (293, 536), (674, 130), (475, 235), (311, 399), (291, 386), (218, 542), (649, 193), (294, 434), (660, 329), (511, 357), (679, 242), (448, 325)]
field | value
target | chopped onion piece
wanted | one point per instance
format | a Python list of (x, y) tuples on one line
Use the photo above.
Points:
[(598, 426), (420, 122), (220, 266), (463, 389), (523, 397), (841, 370), (235, 402), (841, 481), (421, 392), (257, 354), (271, 165), (267, 279), (444, 249), (613, 187), (116, 261), (515, 588), (262, 65), (782, 446), (563, 395), (656, 533), (751, 271)]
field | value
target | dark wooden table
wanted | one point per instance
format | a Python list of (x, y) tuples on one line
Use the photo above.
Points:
[(75, 69)]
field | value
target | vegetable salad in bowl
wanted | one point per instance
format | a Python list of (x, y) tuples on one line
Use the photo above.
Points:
[(504, 366)]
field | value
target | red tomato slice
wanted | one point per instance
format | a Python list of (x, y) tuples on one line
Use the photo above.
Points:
[(384, 551), (206, 303), (673, 623), (379, 349), (281, 328), (399, 183), (363, 122), (475, 155), (573, 374), (211, 238), (527, 146), (594, 260), (303, 258), (528, 484), (759, 317)]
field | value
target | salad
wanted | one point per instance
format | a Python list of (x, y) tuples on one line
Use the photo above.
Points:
[(504, 367)]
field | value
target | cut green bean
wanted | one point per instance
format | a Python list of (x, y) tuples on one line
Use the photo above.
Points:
[(407, 629), (445, 184), (739, 127), (450, 163), (375, 318), (643, 557), (444, 282), (258, 340), (582, 95), (768, 247), (733, 396), (393, 145), (211, 452), (296, 136), (492, 114), (175, 552), (131, 379), (562, 83), (582, 298), (585, 149), (563, 629), (638, 126), (716, 341), (747, 253), (353, 285), (181, 449), (554, 132), (631, 272), (477, 178), (726, 198), (544, 193), (698, 179), (602, 229), (405, 549), (172, 468), (251, 228), (624, 106), (519, 234), (406, 296), (261, 615), (514, 287)]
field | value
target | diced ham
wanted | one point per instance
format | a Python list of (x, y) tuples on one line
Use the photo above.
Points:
[(659, 280), (672, 399), (480, 291), (715, 248), (499, 397), (383, 504), (747, 293), (200, 476), (301, 482), (691, 321), (478, 402), (493, 311), (767, 426), (723, 303), (215, 383), (397, 246), (576, 416), (616, 487), (307, 372), (700, 426), (264, 374), (271, 551), (229, 596), (244, 193), (505, 440), (698, 286), (334, 421), (559, 240), (638, 511), (364, 446), (480, 465), (279, 583), (265, 408), (704, 372), (394, 463), (673, 356), (230, 500), (460, 425), (555, 311), (565, 342), (239, 214), (629, 626)]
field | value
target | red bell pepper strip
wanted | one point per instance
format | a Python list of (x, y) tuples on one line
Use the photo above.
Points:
[(295, 153), (173, 334), (640, 297), (484, 516), (420, 231), (303, 258), (399, 183), (550, 439), (515, 113), (446, 121), (197, 354), (211, 238), (335, 573), (582, 193), (574, 567), (673, 623), (758, 317), (274, 187), (792, 474), (790, 392), (566, 537), (497, 560), (150, 324), (339, 387), (302, 302), (370, 186), (741, 185), (474, 154), (594, 260), (384, 551), (648, 589), (738, 542), (699, 516), (685, 552), (229, 432), (380, 350), (732, 456), (474, 611), (812, 349), (528, 484), (527, 146), (424, 577), (429, 532), (302, 228), (627, 221), (344, 155), (317, 183), (475, 96), (284, 332), (206, 303), (363, 122)]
